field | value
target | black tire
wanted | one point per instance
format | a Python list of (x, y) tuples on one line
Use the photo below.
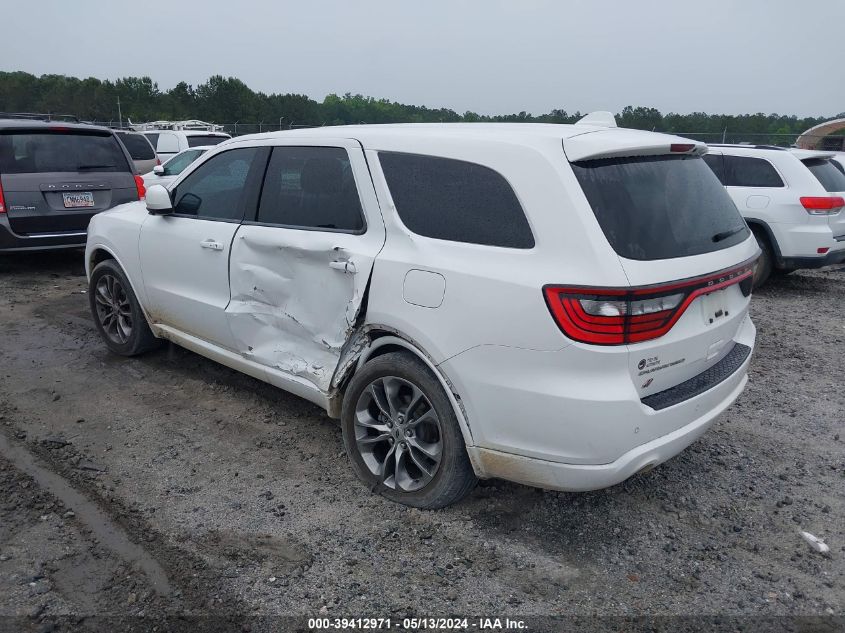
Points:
[(454, 477), (765, 265), (138, 338)]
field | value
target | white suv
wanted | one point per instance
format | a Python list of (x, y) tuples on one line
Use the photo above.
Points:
[(791, 198), (562, 306), (171, 137)]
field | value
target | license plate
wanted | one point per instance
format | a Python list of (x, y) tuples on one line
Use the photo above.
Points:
[(714, 306), (78, 199)]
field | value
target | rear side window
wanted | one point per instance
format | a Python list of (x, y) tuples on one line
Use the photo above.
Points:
[(138, 146), (744, 171), (825, 171), (660, 207), (455, 200), (43, 152), (152, 137), (311, 187), (194, 141)]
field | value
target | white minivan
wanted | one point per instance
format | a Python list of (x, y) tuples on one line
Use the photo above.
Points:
[(558, 305)]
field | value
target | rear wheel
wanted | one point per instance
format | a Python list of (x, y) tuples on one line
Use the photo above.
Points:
[(117, 313), (765, 264), (402, 436)]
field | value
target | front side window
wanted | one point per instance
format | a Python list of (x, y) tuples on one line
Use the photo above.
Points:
[(826, 172), (216, 190), (59, 151), (715, 162), (745, 171), (177, 164), (455, 200), (311, 187), (660, 207)]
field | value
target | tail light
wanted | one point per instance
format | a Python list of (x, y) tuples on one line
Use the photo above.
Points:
[(2, 200), (618, 316), (139, 185), (823, 205), (158, 161)]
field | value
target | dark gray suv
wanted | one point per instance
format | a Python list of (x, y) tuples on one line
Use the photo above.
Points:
[(54, 176)]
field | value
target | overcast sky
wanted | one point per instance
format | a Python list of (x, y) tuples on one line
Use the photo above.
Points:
[(490, 56)]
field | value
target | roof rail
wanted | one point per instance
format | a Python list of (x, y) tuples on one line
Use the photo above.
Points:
[(39, 116), (190, 124)]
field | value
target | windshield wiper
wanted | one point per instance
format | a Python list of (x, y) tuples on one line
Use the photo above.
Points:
[(726, 234), (84, 167)]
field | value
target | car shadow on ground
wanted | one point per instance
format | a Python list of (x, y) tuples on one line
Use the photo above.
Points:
[(61, 262)]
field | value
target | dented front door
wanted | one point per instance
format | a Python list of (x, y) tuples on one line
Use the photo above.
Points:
[(300, 267)]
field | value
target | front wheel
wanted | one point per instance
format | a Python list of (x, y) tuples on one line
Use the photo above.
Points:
[(402, 436), (117, 313)]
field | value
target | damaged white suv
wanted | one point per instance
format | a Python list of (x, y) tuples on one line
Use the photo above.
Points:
[(562, 306)]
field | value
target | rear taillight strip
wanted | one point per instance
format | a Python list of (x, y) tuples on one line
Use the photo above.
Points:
[(564, 303)]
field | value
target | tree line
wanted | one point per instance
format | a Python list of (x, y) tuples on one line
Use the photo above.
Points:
[(228, 100)]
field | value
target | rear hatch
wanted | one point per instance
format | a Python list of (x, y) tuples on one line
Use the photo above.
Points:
[(55, 178), (832, 179), (684, 247)]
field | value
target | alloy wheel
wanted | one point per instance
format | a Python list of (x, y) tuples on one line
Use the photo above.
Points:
[(113, 309)]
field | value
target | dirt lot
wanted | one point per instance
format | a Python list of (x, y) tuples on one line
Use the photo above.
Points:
[(167, 484)]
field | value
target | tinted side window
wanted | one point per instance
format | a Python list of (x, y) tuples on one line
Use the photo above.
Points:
[(744, 171), (216, 189), (715, 162), (195, 140), (139, 148), (455, 200), (152, 137), (826, 172), (311, 187)]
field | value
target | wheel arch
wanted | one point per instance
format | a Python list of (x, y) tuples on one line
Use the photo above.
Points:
[(373, 341), (763, 227), (100, 253)]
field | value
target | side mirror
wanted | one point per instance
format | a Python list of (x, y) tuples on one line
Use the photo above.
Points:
[(158, 200), (158, 170)]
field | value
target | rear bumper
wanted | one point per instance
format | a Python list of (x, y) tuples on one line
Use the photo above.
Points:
[(583, 477), (574, 420), (13, 242), (831, 258)]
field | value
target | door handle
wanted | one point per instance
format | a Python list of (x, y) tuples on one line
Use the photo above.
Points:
[(212, 244), (345, 265)]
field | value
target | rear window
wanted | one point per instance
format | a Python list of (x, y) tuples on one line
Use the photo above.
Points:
[(138, 146), (825, 171), (193, 141), (455, 200), (660, 207), (39, 152)]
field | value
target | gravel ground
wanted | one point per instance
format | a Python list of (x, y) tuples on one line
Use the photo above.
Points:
[(241, 496)]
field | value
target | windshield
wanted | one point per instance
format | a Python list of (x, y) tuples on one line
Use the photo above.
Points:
[(60, 151), (831, 178), (660, 207)]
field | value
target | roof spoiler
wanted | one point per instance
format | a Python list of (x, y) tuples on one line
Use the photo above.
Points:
[(622, 142), (600, 118)]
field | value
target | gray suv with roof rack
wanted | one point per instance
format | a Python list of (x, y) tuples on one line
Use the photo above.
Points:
[(55, 176)]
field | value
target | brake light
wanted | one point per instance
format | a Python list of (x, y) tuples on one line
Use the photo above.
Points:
[(618, 316), (158, 161), (2, 200), (139, 185), (681, 147), (823, 205)]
